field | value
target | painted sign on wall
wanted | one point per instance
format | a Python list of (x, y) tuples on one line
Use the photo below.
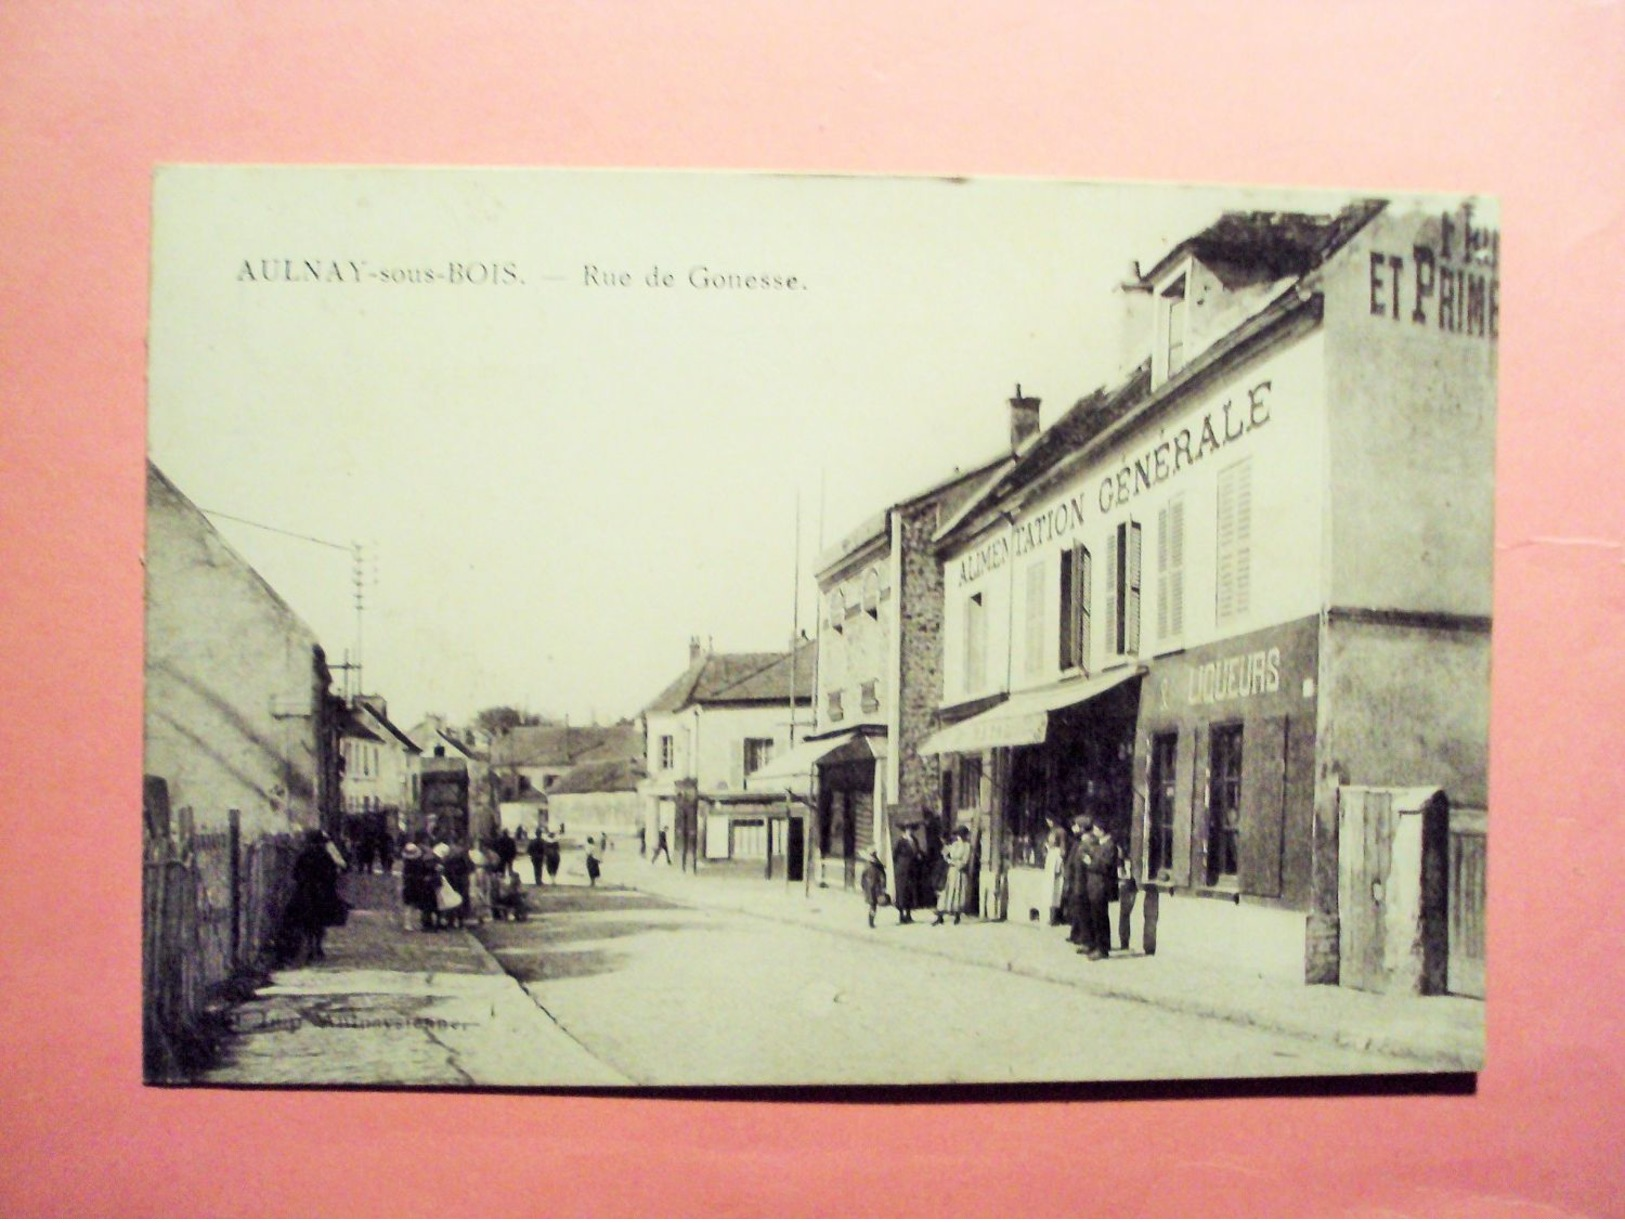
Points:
[(1448, 280)]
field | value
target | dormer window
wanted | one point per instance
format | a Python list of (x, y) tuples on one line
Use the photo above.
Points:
[(1173, 313)]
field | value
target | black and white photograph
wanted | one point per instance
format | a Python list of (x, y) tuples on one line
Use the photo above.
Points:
[(634, 629)]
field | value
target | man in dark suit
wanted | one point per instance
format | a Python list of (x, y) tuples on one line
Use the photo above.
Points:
[(1092, 869)]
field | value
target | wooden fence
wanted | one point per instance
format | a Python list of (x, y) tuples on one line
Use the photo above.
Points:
[(211, 913)]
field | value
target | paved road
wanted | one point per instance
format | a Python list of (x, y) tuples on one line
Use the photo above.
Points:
[(668, 995)]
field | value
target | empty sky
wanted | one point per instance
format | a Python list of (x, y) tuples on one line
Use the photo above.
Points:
[(557, 482)]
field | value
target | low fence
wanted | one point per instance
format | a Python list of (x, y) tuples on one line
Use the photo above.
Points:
[(211, 912)]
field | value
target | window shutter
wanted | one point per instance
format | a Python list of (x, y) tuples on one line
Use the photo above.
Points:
[(1234, 521), (1114, 615), (1163, 559), (1069, 644), (1263, 791), (1035, 616), (1176, 567), (1083, 576), (1131, 611)]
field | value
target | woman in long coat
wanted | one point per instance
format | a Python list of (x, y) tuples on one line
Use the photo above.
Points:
[(906, 866), (315, 902), (417, 887), (951, 897)]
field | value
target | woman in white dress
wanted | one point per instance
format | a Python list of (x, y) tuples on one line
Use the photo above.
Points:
[(951, 899), (1055, 848)]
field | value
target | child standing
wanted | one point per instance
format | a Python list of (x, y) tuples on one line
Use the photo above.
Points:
[(874, 885)]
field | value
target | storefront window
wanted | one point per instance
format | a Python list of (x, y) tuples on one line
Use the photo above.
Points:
[(1224, 803)]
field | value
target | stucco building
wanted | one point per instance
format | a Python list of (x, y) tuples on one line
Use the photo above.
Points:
[(723, 718), (1253, 572), (238, 708)]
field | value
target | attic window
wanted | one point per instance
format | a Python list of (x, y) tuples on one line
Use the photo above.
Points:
[(1173, 326)]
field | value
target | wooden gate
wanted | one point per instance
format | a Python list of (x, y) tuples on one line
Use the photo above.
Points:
[(1467, 862), (1391, 889)]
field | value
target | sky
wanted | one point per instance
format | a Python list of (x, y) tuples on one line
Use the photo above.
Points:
[(566, 454)]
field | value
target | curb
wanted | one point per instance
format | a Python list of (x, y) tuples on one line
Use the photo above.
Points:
[(1454, 1061)]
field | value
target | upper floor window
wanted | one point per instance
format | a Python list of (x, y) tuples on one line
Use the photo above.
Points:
[(837, 610), (1123, 588), (871, 593), (1235, 539), (1077, 580), (1171, 570), (975, 643), (1174, 311), (869, 695), (668, 753), (757, 753), (837, 710)]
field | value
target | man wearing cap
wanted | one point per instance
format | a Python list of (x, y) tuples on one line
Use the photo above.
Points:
[(1093, 867)]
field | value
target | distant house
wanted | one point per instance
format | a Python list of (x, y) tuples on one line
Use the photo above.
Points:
[(601, 796), (380, 762), (528, 763), (723, 718), (446, 773)]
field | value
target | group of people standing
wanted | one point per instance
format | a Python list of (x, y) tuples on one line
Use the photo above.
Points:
[(925, 880), (447, 884), (1086, 874)]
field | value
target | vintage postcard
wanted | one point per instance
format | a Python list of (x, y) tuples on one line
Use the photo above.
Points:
[(656, 629)]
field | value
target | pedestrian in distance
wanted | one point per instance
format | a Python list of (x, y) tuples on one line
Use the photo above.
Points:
[(951, 895), (507, 849), (874, 885), (906, 863), (481, 862), (550, 855), (417, 887), (662, 846), (643, 841), (508, 898), (315, 904), (537, 851), (592, 854)]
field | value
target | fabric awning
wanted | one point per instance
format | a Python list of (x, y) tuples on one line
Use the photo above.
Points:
[(1023, 719), (793, 770)]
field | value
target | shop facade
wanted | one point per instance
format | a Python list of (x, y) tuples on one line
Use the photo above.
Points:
[(1239, 585)]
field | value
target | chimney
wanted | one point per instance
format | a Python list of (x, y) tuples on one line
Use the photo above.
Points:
[(1023, 420), (694, 650)]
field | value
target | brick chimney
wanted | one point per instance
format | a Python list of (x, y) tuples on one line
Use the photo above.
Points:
[(1023, 420)]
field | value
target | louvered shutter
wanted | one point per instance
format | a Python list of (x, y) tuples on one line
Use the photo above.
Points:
[(1176, 567), (1131, 603), (1083, 575), (1162, 573), (1069, 642), (1035, 616), (1243, 512), (1114, 614)]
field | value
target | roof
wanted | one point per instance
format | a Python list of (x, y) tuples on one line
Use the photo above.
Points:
[(1082, 421), (526, 746), (352, 727), (874, 527), (1282, 243), (386, 724), (600, 777), (721, 679)]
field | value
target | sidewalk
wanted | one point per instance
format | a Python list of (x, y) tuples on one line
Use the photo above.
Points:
[(1444, 1033), (391, 1007)]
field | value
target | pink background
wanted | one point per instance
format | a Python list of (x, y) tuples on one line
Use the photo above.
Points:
[(1525, 100)]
